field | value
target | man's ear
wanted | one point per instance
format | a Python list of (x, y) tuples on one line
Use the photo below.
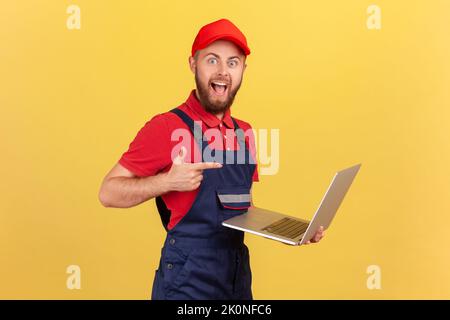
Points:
[(192, 64)]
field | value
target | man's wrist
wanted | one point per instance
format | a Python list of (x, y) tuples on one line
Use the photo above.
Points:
[(163, 182)]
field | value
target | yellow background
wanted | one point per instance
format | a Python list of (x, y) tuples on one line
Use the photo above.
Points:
[(72, 100)]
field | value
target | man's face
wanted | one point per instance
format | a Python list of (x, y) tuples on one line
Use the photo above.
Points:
[(218, 73)]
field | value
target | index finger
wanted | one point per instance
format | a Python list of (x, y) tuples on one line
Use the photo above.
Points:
[(206, 165)]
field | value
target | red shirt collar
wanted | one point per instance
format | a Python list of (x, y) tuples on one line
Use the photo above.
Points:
[(208, 118)]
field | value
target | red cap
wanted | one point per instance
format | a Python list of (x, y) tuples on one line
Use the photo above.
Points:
[(221, 29)]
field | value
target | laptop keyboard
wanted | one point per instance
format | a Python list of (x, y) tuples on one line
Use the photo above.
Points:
[(287, 227)]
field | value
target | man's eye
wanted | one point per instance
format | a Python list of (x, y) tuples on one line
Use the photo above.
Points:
[(212, 60), (233, 63)]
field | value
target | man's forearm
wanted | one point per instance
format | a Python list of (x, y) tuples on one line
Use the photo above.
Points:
[(125, 192)]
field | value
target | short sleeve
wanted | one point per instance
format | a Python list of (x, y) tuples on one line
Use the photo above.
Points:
[(149, 152)]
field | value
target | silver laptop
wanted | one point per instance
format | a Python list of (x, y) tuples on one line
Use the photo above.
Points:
[(294, 230)]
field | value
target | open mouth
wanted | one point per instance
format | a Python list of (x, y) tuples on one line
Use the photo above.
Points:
[(219, 88)]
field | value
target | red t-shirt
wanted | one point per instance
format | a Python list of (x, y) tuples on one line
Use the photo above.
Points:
[(152, 149)]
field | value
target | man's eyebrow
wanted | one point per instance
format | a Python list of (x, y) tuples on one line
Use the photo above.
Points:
[(217, 56)]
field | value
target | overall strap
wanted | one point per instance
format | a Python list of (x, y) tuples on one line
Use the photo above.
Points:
[(197, 131), (164, 212), (239, 133)]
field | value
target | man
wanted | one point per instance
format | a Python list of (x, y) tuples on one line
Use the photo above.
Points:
[(200, 259)]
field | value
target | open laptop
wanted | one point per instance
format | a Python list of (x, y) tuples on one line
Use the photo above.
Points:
[(292, 230)]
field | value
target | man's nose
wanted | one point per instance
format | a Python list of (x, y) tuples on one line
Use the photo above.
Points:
[(223, 70)]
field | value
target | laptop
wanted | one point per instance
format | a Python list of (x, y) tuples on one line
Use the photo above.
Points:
[(293, 230)]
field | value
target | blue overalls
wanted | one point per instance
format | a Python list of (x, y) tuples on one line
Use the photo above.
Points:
[(201, 259)]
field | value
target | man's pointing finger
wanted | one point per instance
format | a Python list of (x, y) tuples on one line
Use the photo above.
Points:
[(206, 165)]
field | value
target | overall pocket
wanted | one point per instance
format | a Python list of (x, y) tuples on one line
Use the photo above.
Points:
[(175, 261), (233, 200)]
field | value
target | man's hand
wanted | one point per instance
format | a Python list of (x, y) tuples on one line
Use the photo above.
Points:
[(320, 233), (184, 176)]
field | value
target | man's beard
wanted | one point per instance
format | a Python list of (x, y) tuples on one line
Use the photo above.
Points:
[(215, 107)]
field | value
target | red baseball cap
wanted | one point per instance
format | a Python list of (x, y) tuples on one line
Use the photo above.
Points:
[(222, 29)]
